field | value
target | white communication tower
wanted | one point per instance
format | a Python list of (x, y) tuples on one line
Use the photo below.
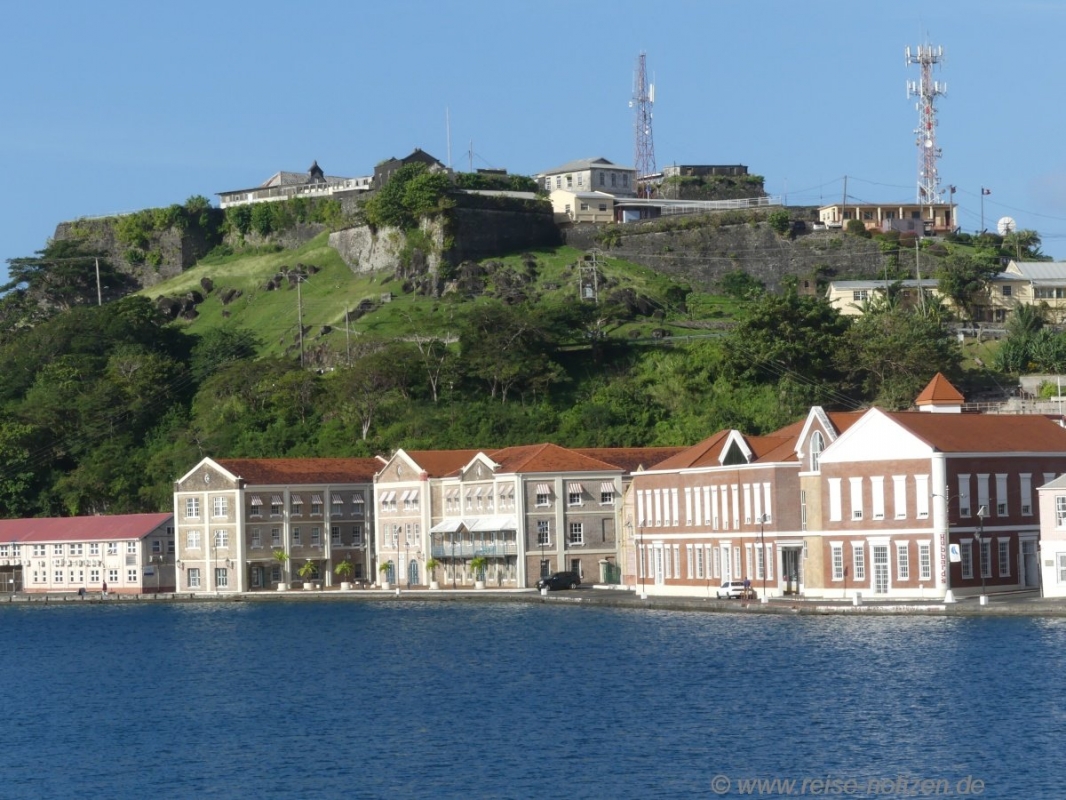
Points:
[(927, 90)]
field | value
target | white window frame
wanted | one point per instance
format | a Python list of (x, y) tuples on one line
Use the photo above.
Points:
[(1002, 503), (544, 533), (903, 561), (856, 498), (964, 495), (576, 534), (858, 561), (192, 577), (836, 551), (1025, 485), (221, 538), (219, 506), (192, 541), (192, 508), (925, 561), (1004, 557), (899, 496)]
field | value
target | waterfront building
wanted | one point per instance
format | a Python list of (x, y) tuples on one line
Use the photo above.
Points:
[(130, 553), (529, 510), (924, 504), (252, 524)]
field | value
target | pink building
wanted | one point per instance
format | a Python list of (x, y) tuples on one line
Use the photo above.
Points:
[(131, 553)]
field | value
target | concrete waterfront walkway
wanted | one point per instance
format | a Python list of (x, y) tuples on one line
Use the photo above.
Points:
[(1019, 603)]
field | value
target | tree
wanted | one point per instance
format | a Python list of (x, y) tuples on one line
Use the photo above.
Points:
[(740, 285), (964, 279), (507, 348), (791, 340), (891, 353)]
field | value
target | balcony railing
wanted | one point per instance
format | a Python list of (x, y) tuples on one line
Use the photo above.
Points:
[(468, 550)]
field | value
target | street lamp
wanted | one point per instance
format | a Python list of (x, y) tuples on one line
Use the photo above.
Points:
[(978, 536)]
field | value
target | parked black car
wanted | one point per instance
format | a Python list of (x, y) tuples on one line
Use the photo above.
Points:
[(560, 580)]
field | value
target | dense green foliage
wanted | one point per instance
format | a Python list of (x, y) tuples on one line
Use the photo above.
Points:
[(411, 193), (267, 218), (495, 181)]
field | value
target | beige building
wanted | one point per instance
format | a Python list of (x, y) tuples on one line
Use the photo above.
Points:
[(1052, 498), (528, 510), (260, 524), (923, 220), (570, 206), (1026, 283), (851, 298), (125, 553)]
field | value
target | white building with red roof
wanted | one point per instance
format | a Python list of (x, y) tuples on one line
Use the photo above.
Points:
[(129, 553), (263, 524)]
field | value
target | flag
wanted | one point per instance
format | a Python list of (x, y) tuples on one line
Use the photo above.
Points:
[(951, 189), (985, 191)]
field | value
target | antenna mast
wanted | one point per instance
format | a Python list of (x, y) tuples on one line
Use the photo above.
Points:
[(927, 90), (642, 102)]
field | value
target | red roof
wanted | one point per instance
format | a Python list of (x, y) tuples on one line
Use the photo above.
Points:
[(547, 458), (438, 463), (630, 459), (277, 471), (81, 529), (984, 433), (939, 391)]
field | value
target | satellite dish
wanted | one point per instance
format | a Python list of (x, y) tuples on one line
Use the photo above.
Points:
[(1006, 225)]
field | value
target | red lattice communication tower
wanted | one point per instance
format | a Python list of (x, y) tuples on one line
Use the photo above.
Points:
[(642, 102), (927, 90)]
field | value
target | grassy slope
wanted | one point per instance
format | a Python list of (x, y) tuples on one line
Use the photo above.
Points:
[(334, 288)]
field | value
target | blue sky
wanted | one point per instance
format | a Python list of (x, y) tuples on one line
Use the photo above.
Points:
[(115, 106)]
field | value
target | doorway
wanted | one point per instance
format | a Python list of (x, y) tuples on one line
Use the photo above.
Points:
[(790, 568), (880, 569)]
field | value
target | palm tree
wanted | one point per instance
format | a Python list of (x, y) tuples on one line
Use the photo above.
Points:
[(281, 557)]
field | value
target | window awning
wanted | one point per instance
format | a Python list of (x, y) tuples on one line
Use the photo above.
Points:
[(295, 499), (479, 491), (607, 487), (337, 499), (276, 499), (574, 488), (504, 523), (387, 497), (542, 488), (316, 499), (357, 499), (506, 490), (256, 501), (447, 526)]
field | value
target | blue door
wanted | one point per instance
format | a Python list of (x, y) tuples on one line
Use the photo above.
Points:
[(412, 573)]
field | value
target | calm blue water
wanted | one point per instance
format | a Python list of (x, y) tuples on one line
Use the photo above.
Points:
[(430, 700)]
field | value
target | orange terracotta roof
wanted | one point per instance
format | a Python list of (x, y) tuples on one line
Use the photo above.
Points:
[(547, 458), (703, 454), (259, 471), (984, 433), (438, 463), (630, 459), (939, 390), (114, 528)]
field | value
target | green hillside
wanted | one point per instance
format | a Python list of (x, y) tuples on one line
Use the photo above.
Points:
[(333, 290)]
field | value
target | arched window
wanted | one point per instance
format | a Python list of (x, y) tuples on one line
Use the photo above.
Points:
[(817, 446)]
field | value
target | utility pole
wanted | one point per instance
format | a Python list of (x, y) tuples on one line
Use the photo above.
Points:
[(99, 293)]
